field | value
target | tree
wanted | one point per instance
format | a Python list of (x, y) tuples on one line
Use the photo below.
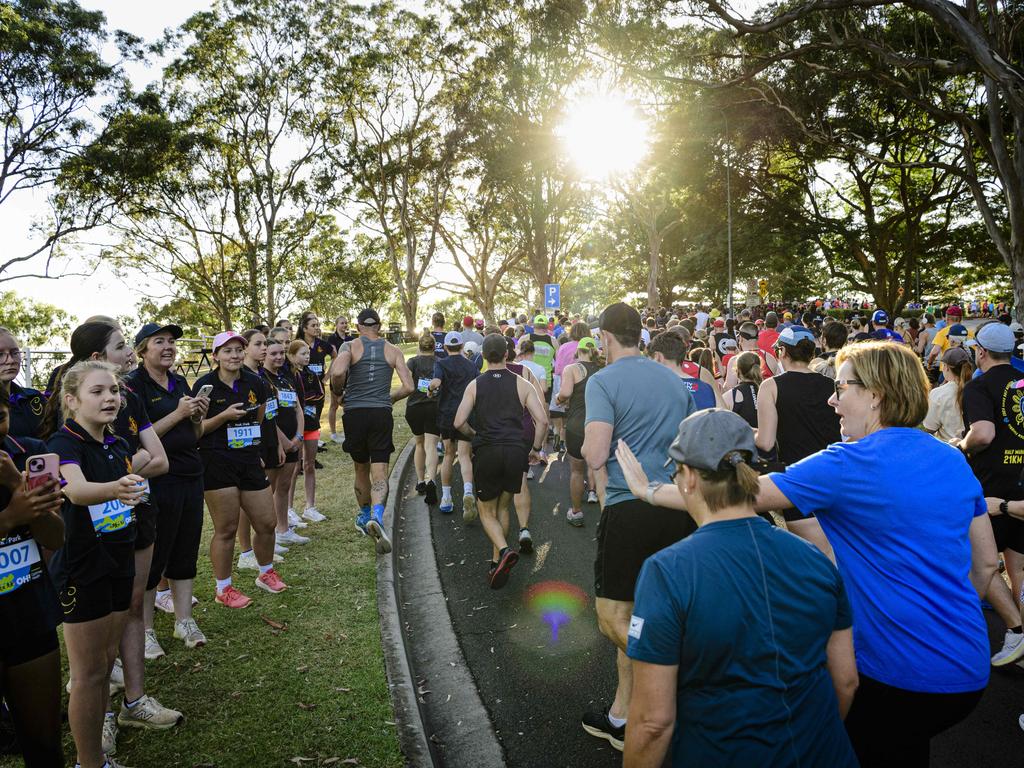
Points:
[(34, 323), (332, 261)]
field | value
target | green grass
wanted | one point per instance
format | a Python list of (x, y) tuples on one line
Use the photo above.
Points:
[(313, 694)]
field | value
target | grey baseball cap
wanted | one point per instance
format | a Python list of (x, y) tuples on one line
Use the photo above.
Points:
[(707, 436), (995, 337)]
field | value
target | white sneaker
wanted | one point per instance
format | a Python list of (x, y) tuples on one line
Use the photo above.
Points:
[(109, 742), (320, 443), (247, 561), (153, 649), (189, 631), (1013, 649), (165, 602), (294, 521), (313, 515), (529, 474), (291, 537), (338, 437), (116, 677), (591, 497), (148, 713), (279, 550), (469, 511)]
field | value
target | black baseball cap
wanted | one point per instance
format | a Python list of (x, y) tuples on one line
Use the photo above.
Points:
[(152, 329), (620, 319), (368, 317)]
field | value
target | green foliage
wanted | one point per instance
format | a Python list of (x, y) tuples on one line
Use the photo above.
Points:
[(34, 323)]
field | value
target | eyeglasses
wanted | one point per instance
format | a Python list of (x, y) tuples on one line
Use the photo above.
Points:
[(12, 354), (842, 386)]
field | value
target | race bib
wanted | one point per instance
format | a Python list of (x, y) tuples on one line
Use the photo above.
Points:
[(113, 516), (243, 435), (19, 564), (287, 396), (309, 410), (271, 409), (317, 369), (423, 385)]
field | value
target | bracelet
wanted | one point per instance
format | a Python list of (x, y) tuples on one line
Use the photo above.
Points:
[(652, 488), (1004, 507)]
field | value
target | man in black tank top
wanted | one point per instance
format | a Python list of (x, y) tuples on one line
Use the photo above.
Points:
[(499, 459)]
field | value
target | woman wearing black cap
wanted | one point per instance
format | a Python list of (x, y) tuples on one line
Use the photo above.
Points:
[(766, 651), (178, 494)]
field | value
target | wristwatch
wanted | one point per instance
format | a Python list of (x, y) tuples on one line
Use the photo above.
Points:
[(1004, 507), (652, 488)]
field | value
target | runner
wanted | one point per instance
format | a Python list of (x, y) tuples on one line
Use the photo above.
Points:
[(491, 412), (833, 338), (882, 324), (233, 475), (572, 393), (94, 568), (742, 398), (564, 355), (768, 335), (748, 338), (438, 333), (468, 332), (523, 500), (340, 336), (636, 400), (544, 355), (941, 341), (29, 650), (363, 372), (178, 494), (452, 375), (668, 349), (421, 415), (945, 417), (26, 404)]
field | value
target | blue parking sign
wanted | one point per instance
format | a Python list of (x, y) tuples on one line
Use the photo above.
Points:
[(552, 296)]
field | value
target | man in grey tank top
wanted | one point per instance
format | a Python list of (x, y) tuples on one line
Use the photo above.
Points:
[(361, 375)]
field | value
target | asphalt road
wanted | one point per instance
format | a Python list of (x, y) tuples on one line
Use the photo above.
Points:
[(536, 685)]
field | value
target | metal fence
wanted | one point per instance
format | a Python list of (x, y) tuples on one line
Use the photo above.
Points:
[(37, 364)]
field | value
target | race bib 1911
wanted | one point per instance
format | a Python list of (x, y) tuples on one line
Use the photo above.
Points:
[(113, 516), (243, 435), (19, 564)]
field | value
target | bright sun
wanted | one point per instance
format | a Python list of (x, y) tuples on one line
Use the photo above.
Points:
[(604, 135)]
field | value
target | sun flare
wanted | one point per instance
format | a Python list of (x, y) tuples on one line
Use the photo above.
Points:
[(604, 135)]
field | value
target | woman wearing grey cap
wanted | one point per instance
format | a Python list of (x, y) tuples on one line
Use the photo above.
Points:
[(739, 628), (915, 549)]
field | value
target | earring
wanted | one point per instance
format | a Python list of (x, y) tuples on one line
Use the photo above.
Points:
[(873, 407)]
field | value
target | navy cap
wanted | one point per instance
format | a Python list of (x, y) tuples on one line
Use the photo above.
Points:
[(152, 329), (368, 317)]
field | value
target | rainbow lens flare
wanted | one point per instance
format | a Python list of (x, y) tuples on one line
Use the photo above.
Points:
[(557, 603)]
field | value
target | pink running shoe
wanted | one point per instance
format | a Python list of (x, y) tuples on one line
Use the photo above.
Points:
[(271, 582), (232, 598)]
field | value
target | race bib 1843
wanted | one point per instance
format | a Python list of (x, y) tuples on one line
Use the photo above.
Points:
[(243, 435), (113, 516), (19, 564), (287, 396)]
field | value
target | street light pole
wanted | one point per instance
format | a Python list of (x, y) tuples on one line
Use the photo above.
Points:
[(728, 204)]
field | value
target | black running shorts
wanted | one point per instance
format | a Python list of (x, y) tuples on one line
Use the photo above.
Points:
[(87, 602), (574, 444), (422, 418), (448, 433), (145, 525), (179, 527), (630, 532), (16, 649), (368, 435), (220, 472), (497, 469), (1008, 533)]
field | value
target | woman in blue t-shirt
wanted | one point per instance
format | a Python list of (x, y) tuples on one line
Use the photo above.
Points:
[(915, 555)]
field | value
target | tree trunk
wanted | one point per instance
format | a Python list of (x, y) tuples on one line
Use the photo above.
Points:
[(654, 263), (1017, 280)]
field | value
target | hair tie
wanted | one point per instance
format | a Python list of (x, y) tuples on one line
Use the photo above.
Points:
[(732, 459)]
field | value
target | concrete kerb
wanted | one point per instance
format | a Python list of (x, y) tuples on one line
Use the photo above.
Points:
[(441, 718), (412, 735)]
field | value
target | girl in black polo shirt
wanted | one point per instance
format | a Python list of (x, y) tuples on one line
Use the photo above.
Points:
[(29, 613), (233, 474), (289, 423), (310, 388), (94, 568)]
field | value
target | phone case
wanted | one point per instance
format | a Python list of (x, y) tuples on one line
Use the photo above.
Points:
[(41, 467)]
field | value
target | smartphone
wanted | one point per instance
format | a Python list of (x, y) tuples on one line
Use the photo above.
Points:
[(205, 390), (41, 468)]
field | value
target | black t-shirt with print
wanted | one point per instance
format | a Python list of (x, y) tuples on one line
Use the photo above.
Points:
[(287, 397), (180, 440), (234, 440), (996, 396)]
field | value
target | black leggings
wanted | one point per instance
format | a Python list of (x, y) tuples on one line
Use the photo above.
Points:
[(891, 726), (32, 691)]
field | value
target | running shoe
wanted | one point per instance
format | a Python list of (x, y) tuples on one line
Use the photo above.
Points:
[(320, 445), (1012, 650), (189, 631), (525, 541), (499, 576), (317, 464), (291, 537), (421, 487), (109, 738), (529, 473), (469, 511), (247, 561), (164, 601), (338, 437), (232, 598), (1020, 722), (376, 529), (598, 724), (153, 649), (279, 550), (575, 517), (116, 677), (446, 507), (591, 497), (312, 514), (271, 582), (430, 493), (361, 521), (150, 714), (294, 521)]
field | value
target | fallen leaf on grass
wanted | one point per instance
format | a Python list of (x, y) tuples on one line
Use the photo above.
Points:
[(350, 761), (303, 668), (330, 761), (281, 628), (236, 694), (343, 690), (306, 707), (301, 760)]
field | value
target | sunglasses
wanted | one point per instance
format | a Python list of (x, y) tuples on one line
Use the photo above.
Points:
[(842, 386)]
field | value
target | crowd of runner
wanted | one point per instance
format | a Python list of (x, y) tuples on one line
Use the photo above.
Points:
[(699, 442)]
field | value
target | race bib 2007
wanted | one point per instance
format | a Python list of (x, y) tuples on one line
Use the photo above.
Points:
[(19, 564), (243, 435), (113, 516)]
